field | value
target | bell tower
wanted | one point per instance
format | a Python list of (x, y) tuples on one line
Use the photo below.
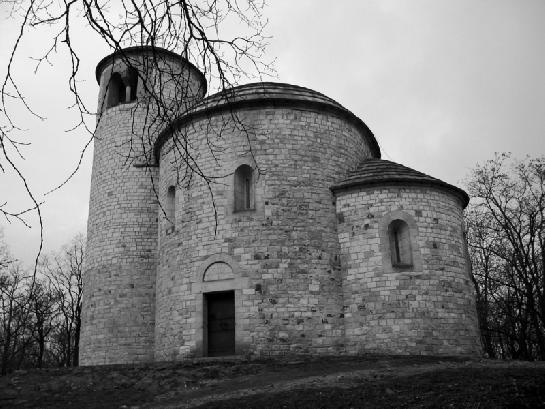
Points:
[(142, 89)]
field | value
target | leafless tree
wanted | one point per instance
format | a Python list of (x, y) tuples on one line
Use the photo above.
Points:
[(5, 257), (64, 270), (223, 38), (42, 320), (506, 232), (14, 313)]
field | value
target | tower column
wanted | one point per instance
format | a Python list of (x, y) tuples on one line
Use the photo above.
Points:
[(118, 317)]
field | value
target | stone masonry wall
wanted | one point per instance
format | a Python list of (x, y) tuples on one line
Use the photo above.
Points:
[(311, 271), (119, 278), (284, 255), (426, 309), (118, 305)]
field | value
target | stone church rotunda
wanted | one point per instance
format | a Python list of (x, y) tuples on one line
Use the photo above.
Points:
[(305, 241)]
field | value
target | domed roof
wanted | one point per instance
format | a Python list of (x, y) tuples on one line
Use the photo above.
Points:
[(271, 91), (266, 94), (378, 172)]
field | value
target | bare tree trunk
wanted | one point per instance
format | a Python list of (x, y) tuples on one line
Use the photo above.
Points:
[(5, 353), (77, 331)]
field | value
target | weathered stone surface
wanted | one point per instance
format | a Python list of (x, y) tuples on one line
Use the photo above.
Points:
[(293, 226), (427, 308), (119, 280), (311, 268)]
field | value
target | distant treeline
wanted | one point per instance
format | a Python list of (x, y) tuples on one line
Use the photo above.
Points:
[(506, 235), (40, 310)]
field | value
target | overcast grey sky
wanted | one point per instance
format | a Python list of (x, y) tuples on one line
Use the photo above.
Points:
[(442, 84)]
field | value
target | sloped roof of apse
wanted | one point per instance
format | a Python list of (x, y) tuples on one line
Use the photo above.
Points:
[(380, 172)]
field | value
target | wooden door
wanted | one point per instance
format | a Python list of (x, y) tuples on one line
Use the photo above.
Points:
[(221, 323)]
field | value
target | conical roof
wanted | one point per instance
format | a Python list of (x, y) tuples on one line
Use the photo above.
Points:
[(379, 172)]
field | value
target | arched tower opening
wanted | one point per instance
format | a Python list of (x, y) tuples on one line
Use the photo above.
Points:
[(116, 91), (132, 83)]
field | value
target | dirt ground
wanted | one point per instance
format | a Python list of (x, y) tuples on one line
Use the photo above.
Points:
[(296, 382)]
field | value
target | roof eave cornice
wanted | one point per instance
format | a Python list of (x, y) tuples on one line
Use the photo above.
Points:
[(352, 185), (204, 111)]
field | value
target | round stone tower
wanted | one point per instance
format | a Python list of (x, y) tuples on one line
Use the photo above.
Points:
[(140, 89), (251, 262), (406, 281)]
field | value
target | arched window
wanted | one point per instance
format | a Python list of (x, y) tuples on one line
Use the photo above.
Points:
[(244, 188), (170, 205), (400, 243), (132, 83), (116, 91)]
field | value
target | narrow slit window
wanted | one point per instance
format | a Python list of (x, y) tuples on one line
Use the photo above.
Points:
[(244, 188), (400, 243), (397, 254), (170, 208), (247, 193)]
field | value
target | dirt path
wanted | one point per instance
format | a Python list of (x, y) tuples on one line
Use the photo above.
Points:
[(232, 390)]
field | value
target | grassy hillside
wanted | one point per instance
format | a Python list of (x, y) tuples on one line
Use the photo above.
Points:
[(357, 382)]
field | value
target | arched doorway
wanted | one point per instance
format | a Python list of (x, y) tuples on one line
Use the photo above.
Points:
[(219, 290)]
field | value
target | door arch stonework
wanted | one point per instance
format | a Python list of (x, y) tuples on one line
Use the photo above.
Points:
[(226, 276)]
